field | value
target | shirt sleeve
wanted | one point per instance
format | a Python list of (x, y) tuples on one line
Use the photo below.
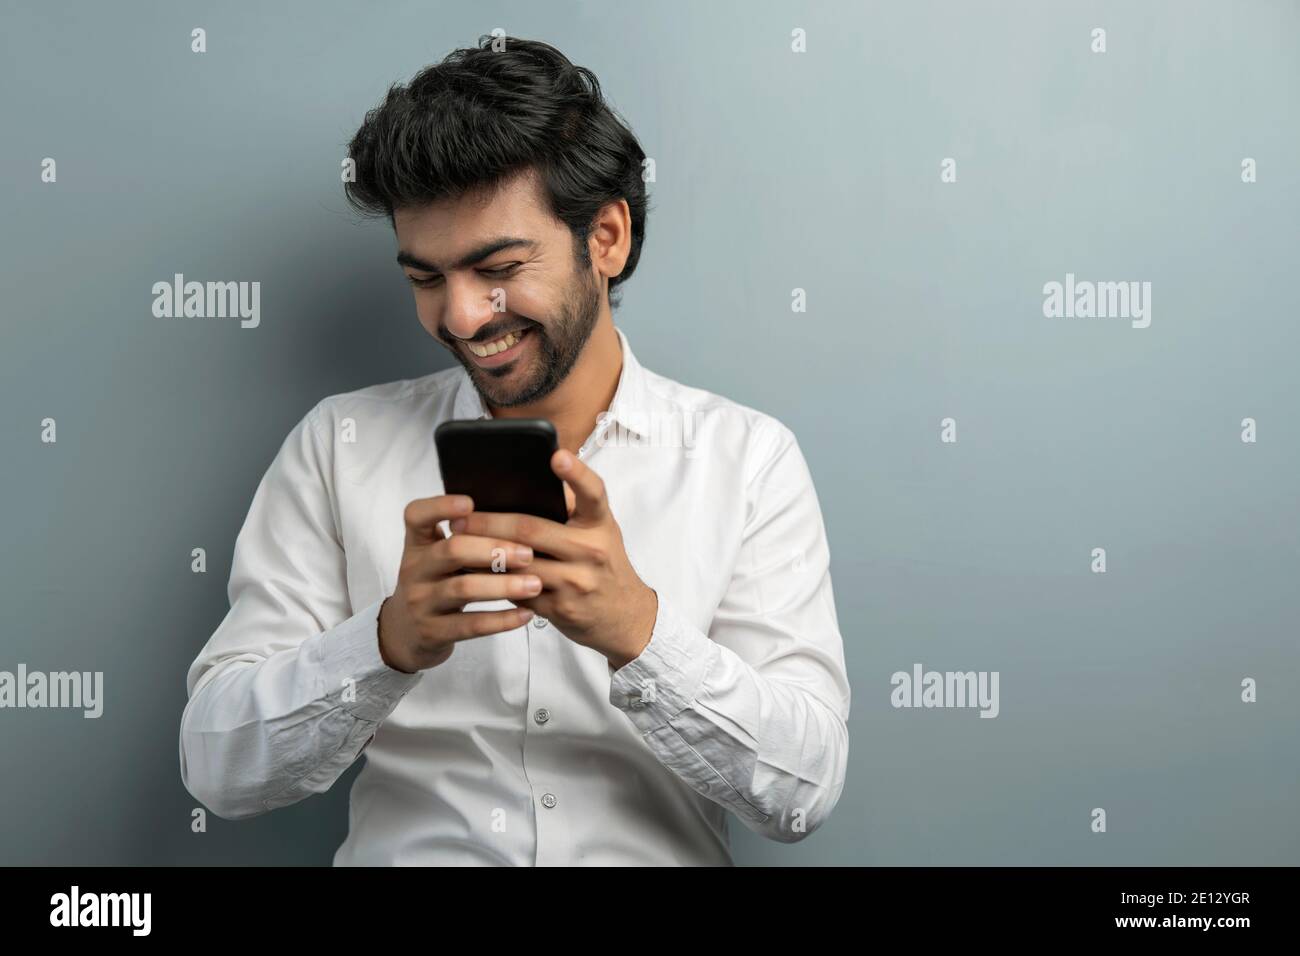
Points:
[(753, 714), (290, 688)]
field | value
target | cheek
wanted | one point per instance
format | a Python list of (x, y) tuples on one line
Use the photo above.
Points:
[(527, 302), (521, 293)]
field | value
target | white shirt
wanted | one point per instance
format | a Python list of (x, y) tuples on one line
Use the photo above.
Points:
[(525, 747)]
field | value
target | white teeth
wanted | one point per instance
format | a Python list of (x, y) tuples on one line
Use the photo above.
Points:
[(492, 348)]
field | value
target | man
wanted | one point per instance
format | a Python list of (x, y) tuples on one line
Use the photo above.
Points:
[(674, 657)]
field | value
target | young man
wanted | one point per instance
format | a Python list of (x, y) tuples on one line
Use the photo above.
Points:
[(674, 657)]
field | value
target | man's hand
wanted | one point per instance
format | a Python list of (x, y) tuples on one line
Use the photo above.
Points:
[(421, 622), (591, 591)]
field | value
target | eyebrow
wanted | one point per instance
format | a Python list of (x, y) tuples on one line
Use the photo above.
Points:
[(473, 257)]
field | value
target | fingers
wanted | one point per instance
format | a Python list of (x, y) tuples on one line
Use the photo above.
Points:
[(423, 514), (460, 551), (543, 536), (439, 577), (467, 624), (588, 489), (453, 593)]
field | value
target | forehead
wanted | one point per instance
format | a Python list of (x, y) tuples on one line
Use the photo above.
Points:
[(445, 229)]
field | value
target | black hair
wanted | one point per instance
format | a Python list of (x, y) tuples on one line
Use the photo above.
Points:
[(486, 113)]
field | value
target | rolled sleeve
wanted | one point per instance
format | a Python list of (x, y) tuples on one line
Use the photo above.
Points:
[(665, 678), (350, 652), (753, 713), (291, 687)]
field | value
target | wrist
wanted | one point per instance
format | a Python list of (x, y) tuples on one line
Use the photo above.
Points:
[(384, 624), (640, 631)]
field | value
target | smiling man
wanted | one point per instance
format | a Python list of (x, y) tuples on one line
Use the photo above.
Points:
[(672, 660)]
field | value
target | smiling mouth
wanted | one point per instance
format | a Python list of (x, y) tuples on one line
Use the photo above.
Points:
[(497, 346)]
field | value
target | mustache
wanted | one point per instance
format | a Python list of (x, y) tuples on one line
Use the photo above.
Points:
[(488, 333)]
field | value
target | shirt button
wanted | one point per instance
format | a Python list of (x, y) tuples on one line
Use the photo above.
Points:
[(548, 800), (540, 622), (542, 715)]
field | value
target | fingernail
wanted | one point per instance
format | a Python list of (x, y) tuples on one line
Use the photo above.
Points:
[(523, 554), (532, 584), (458, 525), (524, 615), (463, 504), (563, 463)]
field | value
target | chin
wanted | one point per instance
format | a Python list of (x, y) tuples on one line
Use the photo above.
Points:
[(502, 389)]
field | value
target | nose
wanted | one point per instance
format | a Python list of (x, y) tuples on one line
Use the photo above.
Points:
[(467, 306)]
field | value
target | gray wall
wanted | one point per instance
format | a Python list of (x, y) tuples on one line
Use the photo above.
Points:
[(776, 170)]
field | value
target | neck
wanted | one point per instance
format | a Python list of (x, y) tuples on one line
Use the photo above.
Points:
[(586, 391)]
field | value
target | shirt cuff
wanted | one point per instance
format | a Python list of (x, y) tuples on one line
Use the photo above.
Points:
[(664, 679), (350, 652)]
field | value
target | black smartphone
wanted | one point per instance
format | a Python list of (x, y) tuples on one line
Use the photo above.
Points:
[(504, 464)]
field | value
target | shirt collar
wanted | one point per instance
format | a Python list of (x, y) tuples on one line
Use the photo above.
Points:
[(630, 407)]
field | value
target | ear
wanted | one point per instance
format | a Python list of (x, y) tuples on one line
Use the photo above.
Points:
[(610, 240)]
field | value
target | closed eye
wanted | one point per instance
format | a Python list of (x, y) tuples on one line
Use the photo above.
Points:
[(429, 282)]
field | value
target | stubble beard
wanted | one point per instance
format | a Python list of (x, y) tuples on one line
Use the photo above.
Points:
[(558, 345)]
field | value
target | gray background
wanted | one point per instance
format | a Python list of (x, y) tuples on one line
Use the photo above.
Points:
[(775, 171)]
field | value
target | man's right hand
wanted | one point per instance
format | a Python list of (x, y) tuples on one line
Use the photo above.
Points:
[(423, 619)]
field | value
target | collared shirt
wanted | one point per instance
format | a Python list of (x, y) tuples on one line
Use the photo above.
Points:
[(524, 747)]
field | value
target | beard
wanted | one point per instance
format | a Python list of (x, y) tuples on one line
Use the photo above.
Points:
[(557, 345)]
